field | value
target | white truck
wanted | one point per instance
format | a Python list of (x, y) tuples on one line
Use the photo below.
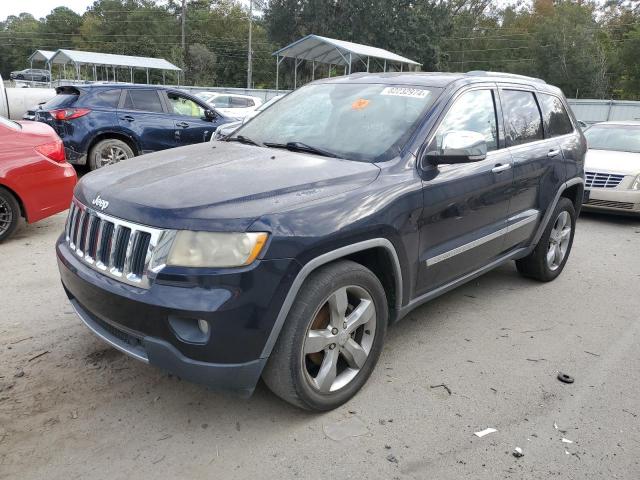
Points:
[(15, 102)]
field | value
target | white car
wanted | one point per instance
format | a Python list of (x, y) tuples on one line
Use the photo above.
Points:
[(612, 167), (231, 104), (228, 128)]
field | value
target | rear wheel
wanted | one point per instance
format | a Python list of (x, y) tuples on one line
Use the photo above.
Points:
[(9, 214), (331, 339), (549, 257), (109, 152)]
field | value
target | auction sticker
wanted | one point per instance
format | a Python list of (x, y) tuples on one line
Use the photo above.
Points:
[(405, 92)]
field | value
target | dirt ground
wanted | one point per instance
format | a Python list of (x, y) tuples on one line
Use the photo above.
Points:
[(72, 407)]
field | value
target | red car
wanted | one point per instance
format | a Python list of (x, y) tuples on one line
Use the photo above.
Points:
[(35, 179)]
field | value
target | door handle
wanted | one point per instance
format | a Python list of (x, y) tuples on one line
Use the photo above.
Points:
[(182, 124), (553, 153), (128, 118), (501, 168)]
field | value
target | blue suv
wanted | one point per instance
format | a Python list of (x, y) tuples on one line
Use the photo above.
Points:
[(285, 251), (104, 124)]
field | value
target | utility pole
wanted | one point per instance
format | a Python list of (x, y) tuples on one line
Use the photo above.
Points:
[(183, 20), (249, 51)]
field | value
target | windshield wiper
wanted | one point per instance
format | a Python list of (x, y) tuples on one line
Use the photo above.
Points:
[(245, 140), (302, 147)]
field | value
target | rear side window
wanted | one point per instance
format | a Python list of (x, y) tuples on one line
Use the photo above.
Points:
[(143, 100), (106, 98), (555, 117), (239, 102), (522, 117), (473, 111)]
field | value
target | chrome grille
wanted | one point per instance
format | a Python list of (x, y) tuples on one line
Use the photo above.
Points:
[(117, 248), (602, 180)]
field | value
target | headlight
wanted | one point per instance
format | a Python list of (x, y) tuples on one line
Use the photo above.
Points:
[(636, 183), (214, 249)]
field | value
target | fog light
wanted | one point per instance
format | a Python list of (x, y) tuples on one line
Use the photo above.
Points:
[(203, 325)]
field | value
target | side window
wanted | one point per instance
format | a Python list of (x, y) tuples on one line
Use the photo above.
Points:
[(144, 100), (522, 117), (221, 102), (474, 111), (555, 117), (237, 102), (107, 98), (185, 106)]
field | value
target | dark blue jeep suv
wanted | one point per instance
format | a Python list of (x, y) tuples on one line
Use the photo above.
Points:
[(286, 250), (105, 124)]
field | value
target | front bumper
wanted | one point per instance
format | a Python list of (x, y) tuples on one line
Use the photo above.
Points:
[(613, 200), (240, 308)]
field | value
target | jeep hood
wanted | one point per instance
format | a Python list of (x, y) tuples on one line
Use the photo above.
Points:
[(217, 186)]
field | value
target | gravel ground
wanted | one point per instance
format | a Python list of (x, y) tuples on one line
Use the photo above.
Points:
[(71, 407)]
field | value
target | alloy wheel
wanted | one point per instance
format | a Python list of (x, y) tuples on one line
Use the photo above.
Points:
[(6, 215), (559, 240), (111, 155), (339, 339)]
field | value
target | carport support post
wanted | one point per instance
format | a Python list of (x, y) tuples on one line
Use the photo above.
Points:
[(277, 70), (295, 72), (313, 70), (163, 78), (131, 73), (147, 76), (384, 69), (349, 63), (95, 73), (330, 68), (367, 64)]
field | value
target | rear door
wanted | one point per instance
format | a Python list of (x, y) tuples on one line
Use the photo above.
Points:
[(190, 122), (142, 115), (465, 205), (537, 162)]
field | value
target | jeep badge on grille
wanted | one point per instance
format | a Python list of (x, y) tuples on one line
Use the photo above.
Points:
[(100, 203)]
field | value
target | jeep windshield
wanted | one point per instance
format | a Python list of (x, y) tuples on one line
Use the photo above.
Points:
[(364, 122)]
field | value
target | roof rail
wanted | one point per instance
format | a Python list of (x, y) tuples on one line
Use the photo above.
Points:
[(482, 73)]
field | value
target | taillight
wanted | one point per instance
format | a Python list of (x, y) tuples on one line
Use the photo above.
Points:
[(52, 150), (69, 113)]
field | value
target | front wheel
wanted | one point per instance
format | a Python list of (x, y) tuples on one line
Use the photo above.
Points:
[(109, 152), (551, 253), (331, 339)]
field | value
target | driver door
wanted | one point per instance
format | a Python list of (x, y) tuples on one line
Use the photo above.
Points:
[(189, 117), (465, 205)]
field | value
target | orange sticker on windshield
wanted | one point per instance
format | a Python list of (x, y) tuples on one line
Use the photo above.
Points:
[(360, 104)]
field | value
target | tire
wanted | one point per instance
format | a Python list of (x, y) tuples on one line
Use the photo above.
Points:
[(297, 377), (20, 77), (537, 264), (9, 214), (108, 152), (44, 79)]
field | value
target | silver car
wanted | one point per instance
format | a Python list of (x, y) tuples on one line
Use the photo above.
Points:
[(612, 167), (31, 74)]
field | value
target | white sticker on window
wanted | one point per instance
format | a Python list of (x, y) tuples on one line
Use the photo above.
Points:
[(405, 92)]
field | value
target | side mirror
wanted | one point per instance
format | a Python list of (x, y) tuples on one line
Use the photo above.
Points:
[(209, 115), (461, 146)]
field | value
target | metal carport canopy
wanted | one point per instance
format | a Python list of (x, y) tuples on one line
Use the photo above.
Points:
[(41, 56), (331, 51), (336, 52), (109, 59)]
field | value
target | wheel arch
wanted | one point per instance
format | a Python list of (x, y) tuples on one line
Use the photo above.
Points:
[(133, 144), (23, 209), (571, 189), (375, 254)]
